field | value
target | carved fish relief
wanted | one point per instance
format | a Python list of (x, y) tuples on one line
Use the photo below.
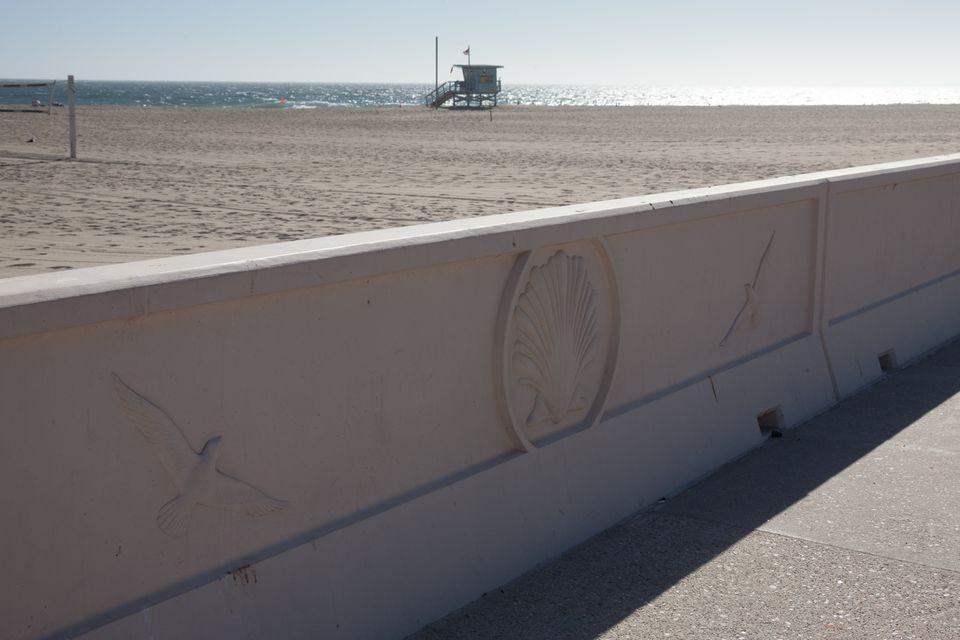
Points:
[(557, 337), (195, 475)]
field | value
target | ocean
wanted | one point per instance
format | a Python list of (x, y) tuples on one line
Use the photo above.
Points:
[(319, 95)]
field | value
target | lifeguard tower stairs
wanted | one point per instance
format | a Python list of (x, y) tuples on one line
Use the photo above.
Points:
[(478, 89)]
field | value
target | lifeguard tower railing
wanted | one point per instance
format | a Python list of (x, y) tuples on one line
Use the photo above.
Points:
[(457, 91)]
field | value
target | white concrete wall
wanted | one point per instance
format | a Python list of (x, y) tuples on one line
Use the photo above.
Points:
[(389, 446)]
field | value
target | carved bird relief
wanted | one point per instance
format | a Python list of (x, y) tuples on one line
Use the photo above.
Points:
[(195, 474), (751, 301)]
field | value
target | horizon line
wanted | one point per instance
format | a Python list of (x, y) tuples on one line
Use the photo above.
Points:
[(536, 84)]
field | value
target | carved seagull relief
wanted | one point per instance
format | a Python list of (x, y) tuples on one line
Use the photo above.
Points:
[(751, 301), (195, 474)]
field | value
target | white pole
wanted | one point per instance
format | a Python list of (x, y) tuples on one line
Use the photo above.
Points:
[(72, 107)]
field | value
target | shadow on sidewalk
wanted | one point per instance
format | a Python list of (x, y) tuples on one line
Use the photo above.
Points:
[(596, 585)]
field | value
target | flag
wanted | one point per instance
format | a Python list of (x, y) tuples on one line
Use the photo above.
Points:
[(466, 51)]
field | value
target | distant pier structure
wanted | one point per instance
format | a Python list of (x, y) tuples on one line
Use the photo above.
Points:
[(478, 89)]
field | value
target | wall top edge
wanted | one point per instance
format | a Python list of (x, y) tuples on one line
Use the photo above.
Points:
[(647, 211)]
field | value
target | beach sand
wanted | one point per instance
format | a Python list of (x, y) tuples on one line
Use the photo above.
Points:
[(166, 181)]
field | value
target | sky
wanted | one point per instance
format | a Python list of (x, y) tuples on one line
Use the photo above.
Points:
[(595, 42)]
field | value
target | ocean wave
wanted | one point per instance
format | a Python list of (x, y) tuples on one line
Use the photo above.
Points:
[(324, 95)]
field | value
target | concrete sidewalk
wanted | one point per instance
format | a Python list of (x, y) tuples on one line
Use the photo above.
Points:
[(846, 527)]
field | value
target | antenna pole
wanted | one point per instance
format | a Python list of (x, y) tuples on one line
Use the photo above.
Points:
[(72, 116)]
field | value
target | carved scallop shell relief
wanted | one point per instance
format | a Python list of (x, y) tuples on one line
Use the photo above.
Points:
[(559, 341), (557, 337)]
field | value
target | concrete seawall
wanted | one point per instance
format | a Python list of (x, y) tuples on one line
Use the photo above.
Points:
[(354, 435)]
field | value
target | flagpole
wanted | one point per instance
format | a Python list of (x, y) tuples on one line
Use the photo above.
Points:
[(436, 64)]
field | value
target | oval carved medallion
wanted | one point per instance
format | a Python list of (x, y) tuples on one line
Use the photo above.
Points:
[(558, 337)]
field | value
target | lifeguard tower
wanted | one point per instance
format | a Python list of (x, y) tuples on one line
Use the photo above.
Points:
[(477, 90)]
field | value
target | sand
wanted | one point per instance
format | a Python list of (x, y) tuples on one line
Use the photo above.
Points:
[(159, 182)]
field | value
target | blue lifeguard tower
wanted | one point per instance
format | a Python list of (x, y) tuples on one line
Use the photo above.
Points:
[(478, 89)]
